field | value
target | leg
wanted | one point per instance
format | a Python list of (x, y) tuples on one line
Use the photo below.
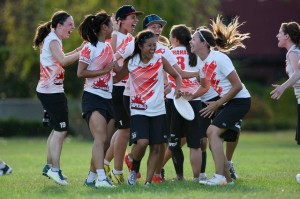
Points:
[(196, 160), (216, 147), (152, 161), (120, 146), (55, 147)]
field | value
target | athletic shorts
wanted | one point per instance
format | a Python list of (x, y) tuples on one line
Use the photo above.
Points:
[(91, 102), (56, 105), (121, 116), (230, 117), (145, 127), (205, 121), (191, 129)]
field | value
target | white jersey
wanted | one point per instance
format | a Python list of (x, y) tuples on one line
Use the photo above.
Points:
[(51, 72), (216, 67), (97, 57), (146, 86), (125, 47), (188, 85), (290, 71), (166, 53)]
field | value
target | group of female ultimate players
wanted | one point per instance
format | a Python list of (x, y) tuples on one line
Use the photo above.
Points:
[(130, 84)]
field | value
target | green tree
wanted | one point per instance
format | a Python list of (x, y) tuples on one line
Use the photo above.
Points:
[(19, 63)]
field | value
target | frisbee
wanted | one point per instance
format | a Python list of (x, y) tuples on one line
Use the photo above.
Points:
[(184, 108)]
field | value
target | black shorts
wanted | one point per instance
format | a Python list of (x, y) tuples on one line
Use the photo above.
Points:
[(145, 127), (191, 129), (230, 117), (205, 121), (121, 116), (91, 102), (56, 105)]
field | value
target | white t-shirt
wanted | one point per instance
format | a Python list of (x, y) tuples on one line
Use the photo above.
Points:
[(216, 67), (125, 47), (146, 86), (188, 85), (97, 57), (290, 71), (51, 71)]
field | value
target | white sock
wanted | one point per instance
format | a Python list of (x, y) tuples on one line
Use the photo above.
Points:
[(101, 174), (117, 172), (106, 162), (91, 177), (219, 176), (54, 169), (230, 161)]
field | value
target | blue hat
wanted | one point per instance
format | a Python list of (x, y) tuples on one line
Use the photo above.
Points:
[(151, 19)]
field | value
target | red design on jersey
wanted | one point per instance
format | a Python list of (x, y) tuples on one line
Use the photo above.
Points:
[(210, 74), (44, 72), (59, 79), (160, 51), (86, 52), (143, 81), (138, 103), (102, 82), (124, 44)]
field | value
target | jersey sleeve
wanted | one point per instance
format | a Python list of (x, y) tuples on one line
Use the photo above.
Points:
[(85, 54)]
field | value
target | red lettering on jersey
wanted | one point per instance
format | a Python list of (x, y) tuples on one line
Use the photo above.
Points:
[(209, 71)]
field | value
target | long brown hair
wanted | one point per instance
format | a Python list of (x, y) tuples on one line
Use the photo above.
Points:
[(44, 29), (224, 38)]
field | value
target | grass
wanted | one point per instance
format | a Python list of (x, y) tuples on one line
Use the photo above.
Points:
[(266, 164)]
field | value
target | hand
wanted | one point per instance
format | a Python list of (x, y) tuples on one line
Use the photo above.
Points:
[(187, 95), (109, 67), (211, 108), (277, 92), (116, 23)]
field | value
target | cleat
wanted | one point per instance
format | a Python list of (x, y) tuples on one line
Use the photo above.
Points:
[(157, 179), (131, 180), (215, 180), (202, 177), (57, 177), (107, 171), (129, 165), (89, 184), (117, 178), (6, 170), (233, 174), (104, 183), (147, 184), (45, 170)]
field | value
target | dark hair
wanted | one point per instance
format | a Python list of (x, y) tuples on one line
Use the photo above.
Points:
[(225, 38), (140, 40), (44, 29), (91, 26), (184, 36), (293, 30)]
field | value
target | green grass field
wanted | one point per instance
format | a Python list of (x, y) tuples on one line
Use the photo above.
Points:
[(266, 164)]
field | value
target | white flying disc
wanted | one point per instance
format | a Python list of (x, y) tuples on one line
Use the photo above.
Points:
[(184, 108)]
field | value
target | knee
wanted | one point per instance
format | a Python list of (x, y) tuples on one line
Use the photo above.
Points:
[(143, 143), (203, 144)]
